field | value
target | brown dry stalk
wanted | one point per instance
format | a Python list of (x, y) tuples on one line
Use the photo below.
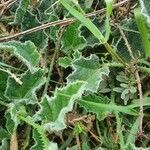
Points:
[(137, 78), (59, 22), (6, 5), (14, 142)]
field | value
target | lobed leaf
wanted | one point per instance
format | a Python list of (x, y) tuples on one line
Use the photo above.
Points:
[(26, 91), (99, 106), (72, 40), (88, 70), (26, 52), (39, 38), (53, 110), (21, 10), (3, 84)]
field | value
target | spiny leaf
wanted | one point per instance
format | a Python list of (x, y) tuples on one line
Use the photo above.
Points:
[(21, 10), (54, 109), (102, 113), (39, 144), (3, 84), (40, 39), (91, 40), (101, 108), (26, 52), (46, 9), (72, 40), (87, 22), (88, 70), (26, 91), (44, 142), (3, 134), (38, 141), (67, 61)]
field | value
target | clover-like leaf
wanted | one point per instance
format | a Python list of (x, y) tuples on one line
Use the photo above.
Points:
[(88, 70), (54, 109), (26, 52), (26, 91)]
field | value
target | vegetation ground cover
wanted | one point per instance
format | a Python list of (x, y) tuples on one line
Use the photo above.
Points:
[(74, 74)]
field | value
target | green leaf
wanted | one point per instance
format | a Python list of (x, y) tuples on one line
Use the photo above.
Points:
[(101, 108), (26, 52), (65, 62), (145, 10), (39, 143), (21, 10), (39, 38), (3, 84), (102, 113), (93, 29), (132, 134), (88, 3), (3, 134), (54, 109), (109, 8), (140, 21), (136, 102), (4, 145), (131, 32), (92, 41), (87, 22), (72, 40), (88, 70), (26, 91)]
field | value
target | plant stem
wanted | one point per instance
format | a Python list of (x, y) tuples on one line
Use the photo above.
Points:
[(55, 23), (53, 60)]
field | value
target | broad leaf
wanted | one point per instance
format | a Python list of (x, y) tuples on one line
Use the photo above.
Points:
[(92, 41), (54, 109), (99, 106), (72, 40), (102, 113), (3, 134), (21, 10), (4, 144), (26, 91), (131, 32), (3, 84), (39, 38), (26, 52), (67, 61), (88, 70)]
